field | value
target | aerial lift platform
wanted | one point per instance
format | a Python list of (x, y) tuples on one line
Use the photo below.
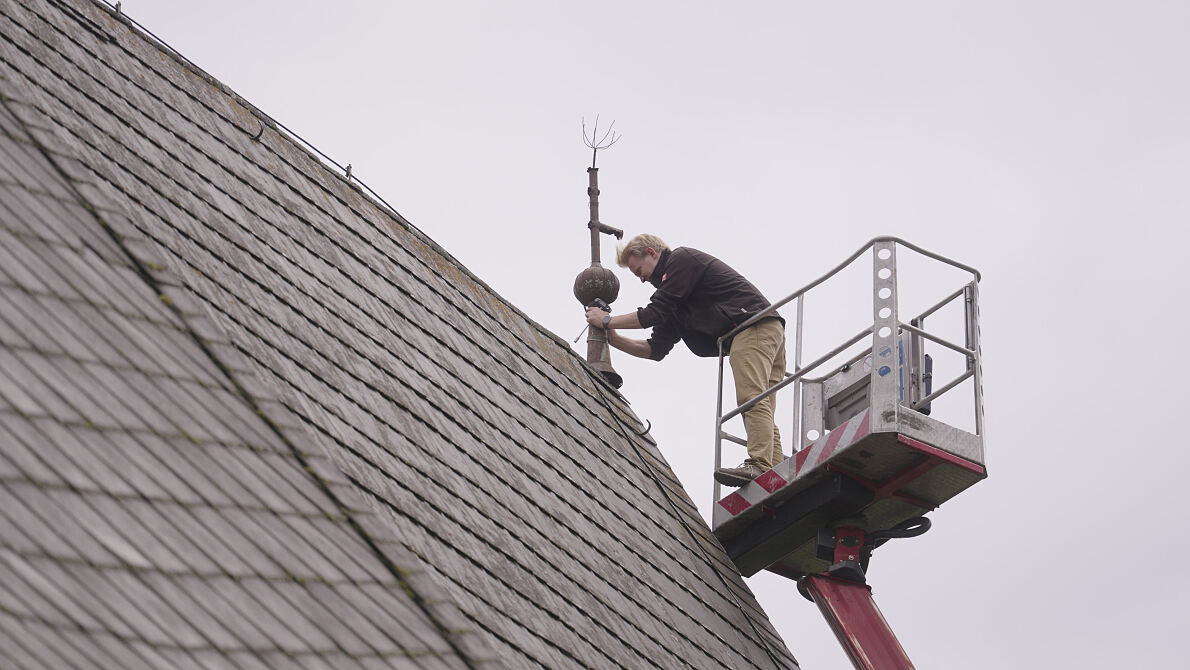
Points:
[(872, 460)]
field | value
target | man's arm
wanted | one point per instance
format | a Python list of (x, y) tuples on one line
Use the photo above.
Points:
[(622, 322), (638, 348)]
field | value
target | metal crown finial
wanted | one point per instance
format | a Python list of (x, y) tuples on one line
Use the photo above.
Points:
[(603, 142)]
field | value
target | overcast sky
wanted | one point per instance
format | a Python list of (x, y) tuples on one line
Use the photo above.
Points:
[(1045, 143)]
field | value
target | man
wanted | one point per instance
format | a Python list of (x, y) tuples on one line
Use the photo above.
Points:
[(698, 300)]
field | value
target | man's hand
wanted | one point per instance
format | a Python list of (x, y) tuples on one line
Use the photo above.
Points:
[(638, 348), (595, 316)]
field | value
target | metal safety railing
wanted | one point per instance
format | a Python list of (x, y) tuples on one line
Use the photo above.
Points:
[(885, 325)]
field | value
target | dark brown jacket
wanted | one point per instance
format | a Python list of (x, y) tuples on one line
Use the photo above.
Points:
[(699, 298)]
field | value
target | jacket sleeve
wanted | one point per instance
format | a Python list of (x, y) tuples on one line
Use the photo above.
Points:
[(682, 274), (662, 340)]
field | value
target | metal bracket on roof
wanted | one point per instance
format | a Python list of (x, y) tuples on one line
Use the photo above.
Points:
[(347, 170)]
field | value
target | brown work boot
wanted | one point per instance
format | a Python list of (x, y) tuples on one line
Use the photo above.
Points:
[(746, 472)]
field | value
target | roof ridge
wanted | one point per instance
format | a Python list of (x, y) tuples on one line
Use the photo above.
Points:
[(352, 181), (591, 372)]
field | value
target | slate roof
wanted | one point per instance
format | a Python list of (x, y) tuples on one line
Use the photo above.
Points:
[(249, 418)]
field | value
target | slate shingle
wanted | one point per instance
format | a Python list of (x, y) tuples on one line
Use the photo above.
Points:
[(312, 398), (87, 539)]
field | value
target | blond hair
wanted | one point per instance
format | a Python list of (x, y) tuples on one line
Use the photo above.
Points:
[(637, 246)]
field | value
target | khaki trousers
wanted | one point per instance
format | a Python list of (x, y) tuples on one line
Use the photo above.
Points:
[(758, 362)]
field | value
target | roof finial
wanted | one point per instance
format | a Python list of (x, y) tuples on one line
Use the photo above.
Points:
[(595, 142), (597, 285)]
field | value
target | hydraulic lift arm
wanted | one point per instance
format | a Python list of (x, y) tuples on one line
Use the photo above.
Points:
[(845, 599)]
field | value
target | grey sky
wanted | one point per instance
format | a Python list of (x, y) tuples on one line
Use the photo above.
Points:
[(1046, 144)]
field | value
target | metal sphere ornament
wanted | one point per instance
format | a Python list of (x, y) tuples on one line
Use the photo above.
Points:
[(596, 282)]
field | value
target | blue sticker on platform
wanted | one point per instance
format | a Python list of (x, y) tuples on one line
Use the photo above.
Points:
[(886, 351), (884, 369)]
